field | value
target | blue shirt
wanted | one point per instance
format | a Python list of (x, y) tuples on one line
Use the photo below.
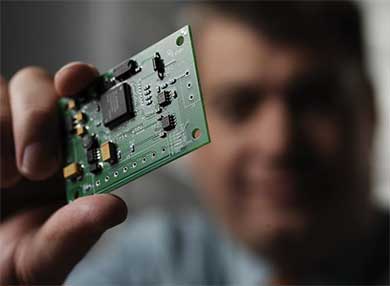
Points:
[(170, 249)]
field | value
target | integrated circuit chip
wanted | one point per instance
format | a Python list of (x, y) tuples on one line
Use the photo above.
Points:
[(116, 105), (92, 155), (163, 98), (168, 122)]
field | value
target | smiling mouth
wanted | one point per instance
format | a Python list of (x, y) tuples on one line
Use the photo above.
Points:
[(278, 189)]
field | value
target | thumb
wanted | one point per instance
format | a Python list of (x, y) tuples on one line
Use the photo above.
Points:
[(67, 236)]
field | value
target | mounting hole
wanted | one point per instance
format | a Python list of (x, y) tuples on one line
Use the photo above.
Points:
[(196, 133), (187, 73), (134, 164), (179, 40), (163, 149), (189, 85), (106, 178), (153, 155), (116, 174), (125, 169), (191, 97), (97, 183), (143, 160)]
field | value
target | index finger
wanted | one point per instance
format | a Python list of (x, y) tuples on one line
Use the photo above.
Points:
[(73, 78), (9, 173), (35, 123)]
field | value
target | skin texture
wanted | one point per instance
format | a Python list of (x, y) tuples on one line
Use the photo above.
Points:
[(41, 237), (279, 173)]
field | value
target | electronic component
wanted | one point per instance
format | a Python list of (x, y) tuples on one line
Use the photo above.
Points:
[(95, 168), (163, 98), (168, 122), (125, 70), (93, 155), (71, 103), (130, 121), (158, 65), (80, 130), (79, 117), (72, 170), (108, 152), (132, 148), (116, 105)]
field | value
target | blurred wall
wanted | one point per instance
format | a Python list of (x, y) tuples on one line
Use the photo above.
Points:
[(50, 34), (377, 30)]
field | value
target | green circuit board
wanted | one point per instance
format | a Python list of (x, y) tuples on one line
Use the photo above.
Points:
[(140, 115)]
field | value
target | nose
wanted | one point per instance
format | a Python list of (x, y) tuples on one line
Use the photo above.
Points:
[(271, 128)]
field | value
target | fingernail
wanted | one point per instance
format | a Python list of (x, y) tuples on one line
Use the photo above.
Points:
[(39, 160)]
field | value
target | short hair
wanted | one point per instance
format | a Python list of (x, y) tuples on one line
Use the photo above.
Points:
[(332, 29), (329, 27)]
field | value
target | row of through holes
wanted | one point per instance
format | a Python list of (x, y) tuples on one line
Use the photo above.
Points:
[(196, 133), (189, 84), (125, 169)]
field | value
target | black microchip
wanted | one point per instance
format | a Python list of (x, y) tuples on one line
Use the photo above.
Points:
[(92, 155), (116, 105), (125, 70), (163, 98), (168, 122), (94, 168)]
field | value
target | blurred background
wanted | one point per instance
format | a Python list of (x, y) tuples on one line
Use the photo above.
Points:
[(52, 33)]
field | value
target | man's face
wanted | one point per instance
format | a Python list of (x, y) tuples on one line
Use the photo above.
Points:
[(278, 148)]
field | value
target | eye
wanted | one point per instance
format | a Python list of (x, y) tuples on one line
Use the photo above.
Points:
[(315, 93), (237, 104)]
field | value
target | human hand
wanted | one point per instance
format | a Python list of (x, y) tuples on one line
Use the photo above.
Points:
[(42, 237)]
